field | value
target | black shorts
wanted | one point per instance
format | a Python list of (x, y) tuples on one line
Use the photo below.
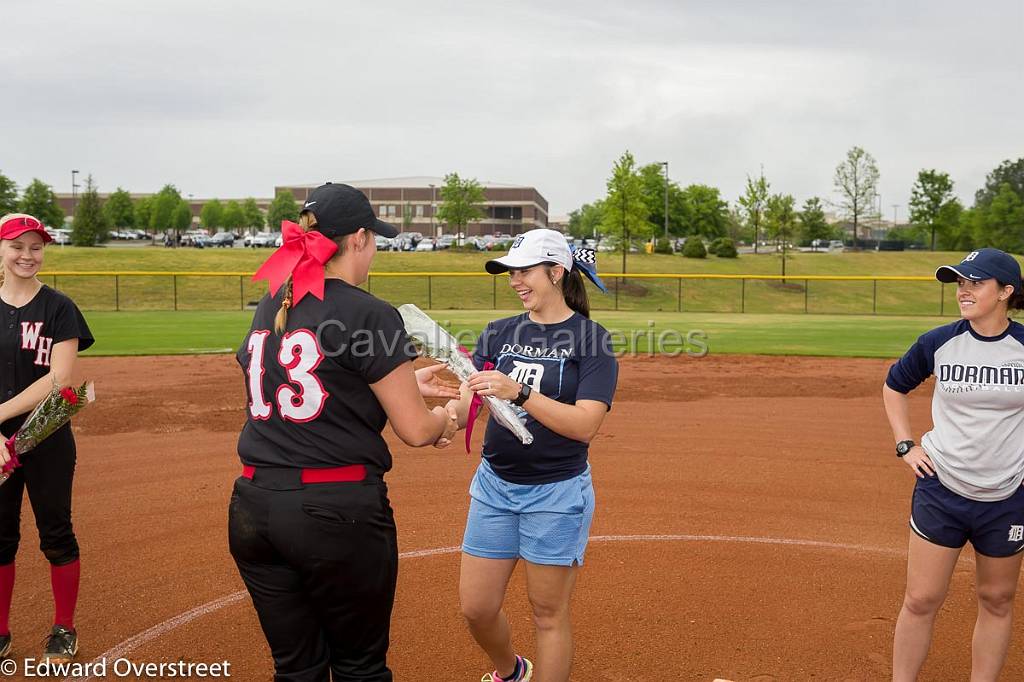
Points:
[(945, 518)]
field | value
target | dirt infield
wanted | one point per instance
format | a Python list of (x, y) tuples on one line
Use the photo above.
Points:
[(751, 525)]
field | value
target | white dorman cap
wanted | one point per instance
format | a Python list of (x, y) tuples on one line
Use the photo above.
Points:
[(533, 248)]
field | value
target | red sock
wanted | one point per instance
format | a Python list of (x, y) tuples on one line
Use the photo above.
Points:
[(6, 592), (64, 581)]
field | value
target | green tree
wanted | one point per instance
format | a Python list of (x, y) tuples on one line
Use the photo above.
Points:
[(927, 197), (254, 220), (704, 211), (182, 216), (951, 228), (283, 207), (212, 215), (407, 217), (585, 221), (8, 195), (780, 221), (163, 206), (753, 204), (1008, 172), (90, 225), (39, 200), (625, 211), (233, 218), (1000, 224), (735, 226), (856, 180), (813, 225), (119, 210), (461, 202), (144, 213), (652, 183), (957, 233)]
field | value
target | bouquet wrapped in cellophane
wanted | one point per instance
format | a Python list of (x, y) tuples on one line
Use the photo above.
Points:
[(53, 412), (440, 345)]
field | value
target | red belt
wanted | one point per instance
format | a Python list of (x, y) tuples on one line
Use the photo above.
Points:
[(352, 472)]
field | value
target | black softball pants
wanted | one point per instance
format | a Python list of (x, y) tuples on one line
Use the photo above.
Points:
[(47, 472), (320, 562)]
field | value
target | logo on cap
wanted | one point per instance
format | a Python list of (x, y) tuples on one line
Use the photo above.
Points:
[(971, 256), (309, 203), (518, 241)]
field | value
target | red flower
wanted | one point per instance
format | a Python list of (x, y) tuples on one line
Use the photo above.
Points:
[(69, 395)]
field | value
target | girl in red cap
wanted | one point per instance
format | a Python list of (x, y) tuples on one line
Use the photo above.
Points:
[(326, 365), (41, 333)]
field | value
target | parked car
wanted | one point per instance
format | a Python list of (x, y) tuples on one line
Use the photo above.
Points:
[(261, 239), (445, 241), (276, 240), (222, 239), (427, 245), (59, 235)]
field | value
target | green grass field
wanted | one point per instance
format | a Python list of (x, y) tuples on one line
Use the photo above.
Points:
[(162, 333), (224, 293)]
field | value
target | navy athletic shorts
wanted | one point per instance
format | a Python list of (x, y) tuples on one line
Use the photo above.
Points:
[(944, 518)]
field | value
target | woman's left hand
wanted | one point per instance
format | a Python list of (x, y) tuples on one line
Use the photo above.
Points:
[(433, 386), (493, 382)]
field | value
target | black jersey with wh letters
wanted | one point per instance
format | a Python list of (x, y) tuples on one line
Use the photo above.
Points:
[(310, 403), (27, 337)]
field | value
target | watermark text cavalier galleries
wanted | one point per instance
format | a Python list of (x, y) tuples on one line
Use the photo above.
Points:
[(335, 339), (119, 668)]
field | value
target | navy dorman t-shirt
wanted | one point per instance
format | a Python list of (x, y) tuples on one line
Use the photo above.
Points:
[(567, 361)]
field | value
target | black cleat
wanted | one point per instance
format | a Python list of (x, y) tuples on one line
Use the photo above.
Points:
[(61, 645)]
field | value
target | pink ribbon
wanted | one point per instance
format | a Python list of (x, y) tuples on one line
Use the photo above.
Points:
[(301, 256), (475, 404), (14, 462)]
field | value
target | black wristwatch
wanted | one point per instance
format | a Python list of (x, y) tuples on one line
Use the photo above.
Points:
[(524, 394), (903, 447)]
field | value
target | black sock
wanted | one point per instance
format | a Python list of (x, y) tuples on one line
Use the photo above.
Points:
[(515, 671)]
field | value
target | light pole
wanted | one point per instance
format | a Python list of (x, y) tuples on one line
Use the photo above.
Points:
[(878, 212), (894, 209), (432, 211), (74, 195), (665, 164)]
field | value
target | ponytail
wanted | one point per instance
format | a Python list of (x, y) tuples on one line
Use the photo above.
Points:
[(574, 291)]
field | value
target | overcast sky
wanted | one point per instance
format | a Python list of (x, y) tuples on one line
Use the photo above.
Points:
[(229, 99)]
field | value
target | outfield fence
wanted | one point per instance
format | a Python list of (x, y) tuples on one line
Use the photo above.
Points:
[(809, 294)]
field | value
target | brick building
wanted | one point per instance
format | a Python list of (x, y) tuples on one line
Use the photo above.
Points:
[(411, 204)]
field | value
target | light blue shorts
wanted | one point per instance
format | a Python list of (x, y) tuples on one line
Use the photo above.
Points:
[(547, 523)]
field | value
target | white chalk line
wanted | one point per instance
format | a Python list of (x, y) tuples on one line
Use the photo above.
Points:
[(127, 646)]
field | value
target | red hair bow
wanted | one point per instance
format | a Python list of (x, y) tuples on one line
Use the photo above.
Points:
[(302, 256)]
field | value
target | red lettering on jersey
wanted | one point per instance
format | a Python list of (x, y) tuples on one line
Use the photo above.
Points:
[(30, 334)]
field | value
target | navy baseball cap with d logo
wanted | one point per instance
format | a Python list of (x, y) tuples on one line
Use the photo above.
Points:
[(983, 264)]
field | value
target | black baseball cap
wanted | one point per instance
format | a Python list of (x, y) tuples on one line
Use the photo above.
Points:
[(342, 209), (984, 264)]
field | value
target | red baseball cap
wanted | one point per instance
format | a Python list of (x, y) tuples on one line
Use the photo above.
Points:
[(14, 225)]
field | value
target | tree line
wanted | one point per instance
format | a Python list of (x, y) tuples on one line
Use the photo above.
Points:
[(460, 203), (635, 203)]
